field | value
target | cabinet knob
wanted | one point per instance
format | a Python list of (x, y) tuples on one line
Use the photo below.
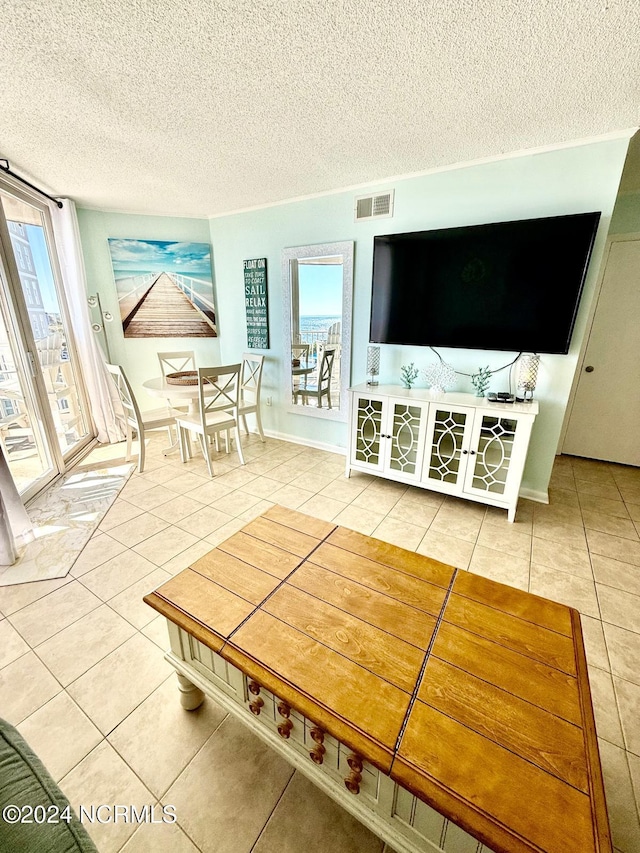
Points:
[(472, 453), (284, 729), (464, 452), (284, 710), (254, 688), (256, 706), (352, 782), (589, 368), (317, 735)]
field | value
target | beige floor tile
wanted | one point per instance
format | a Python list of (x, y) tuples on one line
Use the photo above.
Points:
[(413, 511), (568, 497), (558, 531), (263, 465), (630, 494), (44, 618), (165, 545), (238, 779), (97, 551), (557, 513), (601, 490), (619, 608), (118, 574), (174, 510), (204, 521), (413, 494), (159, 837), (377, 501), (623, 815), (186, 481), (565, 558), (594, 642), (160, 719), (400, 533), (595, 520), (614, 573), (102, 777), (312, 481), (523, 522), (60, 734), (605, 707), (111, 689), (592, 471), (634, 767), (25, 685), (161, 474), (614, 546), (453, 520), (225, 532), (604, 506), (120, 512), (135, 486), (129, 603), (77, 648), (151, 498), (211, 491), (567, 589), (447, 549), (624, 652), (352, 516), (344, 489), (12, 646), (158, 632), (236, 502), (14, 598), (505, 539), (629, 702), (254, 511), (138, 529), (262, 487), (501, 567), (187, 557), (325, 508), (238, 477), (306, 819), (290, 496), (563, 480)]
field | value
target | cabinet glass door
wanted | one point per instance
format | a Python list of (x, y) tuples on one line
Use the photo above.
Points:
[(368, 428), (406, 448), (445, 461), (493, 443)]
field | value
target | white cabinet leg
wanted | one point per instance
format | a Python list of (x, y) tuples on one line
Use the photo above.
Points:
[(191, 697), (511, 513)]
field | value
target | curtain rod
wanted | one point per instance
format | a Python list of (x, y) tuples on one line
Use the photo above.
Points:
[(4, 165)]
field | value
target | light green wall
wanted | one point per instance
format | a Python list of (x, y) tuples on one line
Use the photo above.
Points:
[(138, 356), (626, 214), (569, 180)]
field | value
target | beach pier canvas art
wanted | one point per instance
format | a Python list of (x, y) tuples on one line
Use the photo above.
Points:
[(164, 287)]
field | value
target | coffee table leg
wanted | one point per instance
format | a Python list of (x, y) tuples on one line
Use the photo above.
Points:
[(191, 697)]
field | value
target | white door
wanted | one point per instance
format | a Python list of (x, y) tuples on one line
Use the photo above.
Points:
[(605, 418)]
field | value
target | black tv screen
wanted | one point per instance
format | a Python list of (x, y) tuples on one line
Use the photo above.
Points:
[(505, 286)]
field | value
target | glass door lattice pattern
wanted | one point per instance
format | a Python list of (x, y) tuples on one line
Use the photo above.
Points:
[(406, 438), (446, 446), (493, 456), (369, 427)]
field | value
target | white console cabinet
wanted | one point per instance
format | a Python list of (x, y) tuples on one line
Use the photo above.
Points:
[(454, 443)]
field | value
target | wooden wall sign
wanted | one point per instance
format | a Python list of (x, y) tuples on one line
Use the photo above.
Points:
[(256, 303)]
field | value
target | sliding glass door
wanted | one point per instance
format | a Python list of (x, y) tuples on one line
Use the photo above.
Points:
[(43, 414)]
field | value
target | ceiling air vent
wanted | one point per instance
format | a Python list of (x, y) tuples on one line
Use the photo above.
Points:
[(377, 206)]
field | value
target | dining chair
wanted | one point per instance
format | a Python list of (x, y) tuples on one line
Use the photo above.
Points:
[(135, 419), (323, 388), (300, 351), (219, 395), (176, 362), (250, 382)]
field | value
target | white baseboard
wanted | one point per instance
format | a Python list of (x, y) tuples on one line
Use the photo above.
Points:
[(533, 495), (306, 442)]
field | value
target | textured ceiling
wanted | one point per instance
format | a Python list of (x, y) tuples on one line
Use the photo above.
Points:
[(201, 107)]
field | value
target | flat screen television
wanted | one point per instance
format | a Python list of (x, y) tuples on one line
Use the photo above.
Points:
[(504, 286)]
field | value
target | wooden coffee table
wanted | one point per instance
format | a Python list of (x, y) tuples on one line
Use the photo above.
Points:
[(441, 708)]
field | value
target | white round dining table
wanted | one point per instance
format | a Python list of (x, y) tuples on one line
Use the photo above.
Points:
[(159, 387)]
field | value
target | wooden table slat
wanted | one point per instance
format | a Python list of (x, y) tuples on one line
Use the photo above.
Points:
[(300, 521), (378, 652), (549, 742), (265, 530), (542, 685), (261, 555), (246, 581), (403, 621)]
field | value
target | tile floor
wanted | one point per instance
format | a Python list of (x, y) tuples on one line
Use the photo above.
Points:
[(82, 671)]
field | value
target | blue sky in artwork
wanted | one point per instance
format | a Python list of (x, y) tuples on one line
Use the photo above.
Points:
[(136, 257)]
